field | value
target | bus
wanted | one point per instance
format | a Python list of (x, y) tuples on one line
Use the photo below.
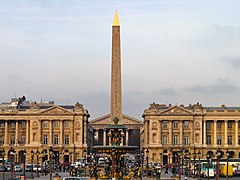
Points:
[(207, 169)]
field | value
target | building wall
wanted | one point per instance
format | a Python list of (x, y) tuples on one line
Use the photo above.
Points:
[(37, 126), (194, 130)]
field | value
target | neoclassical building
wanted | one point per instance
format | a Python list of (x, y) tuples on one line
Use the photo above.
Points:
[(37, 126), (192, 129)]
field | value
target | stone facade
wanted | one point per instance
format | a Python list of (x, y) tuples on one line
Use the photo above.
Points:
[(37, 126), (194, 129)]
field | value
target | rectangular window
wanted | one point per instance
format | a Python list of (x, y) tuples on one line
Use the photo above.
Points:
[(208, 125), (45, 124), (23, 124), (175, 124), (209, 139), (55, 124), (66, 139), (12, 139), (219, 140), (23, 139), (45, 139), (13, 125), (219, 125), (1, 124), (229, 125), (1, 139), (186, 140), (165, 139), (66, 124), (55, 139), (164, 124), (185, 124), (238, 139), (229, 140), (175, 139)]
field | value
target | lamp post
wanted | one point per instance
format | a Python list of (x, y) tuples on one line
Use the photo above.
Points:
[(218, 154), (199, 166), (42, 162), (24, 163), (85, 159), (37, 162), (90, 164), (2, 153), (208, 161), (227, 154), (189, 164), (142, 156), (179, 170), (194, 161), (32, 154), (11, 163), (147, 157), (50, 164)]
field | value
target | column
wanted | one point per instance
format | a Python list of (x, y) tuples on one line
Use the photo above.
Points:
[(97, 135), (236, 132), (192, 132), (85, 130), (160, 133), (73, 132), (6, 133), (16, 132), (27, 132), (170, 132), (104, 137), (204, 131), (181, 132), (40, 131), (226, 128), (215, 133), (145, 133), (50, 132), (61, 132), (127, 137)]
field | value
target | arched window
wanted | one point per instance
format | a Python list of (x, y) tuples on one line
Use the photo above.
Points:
[(154, 139), (77, 137), (34, 137), (197, 138)]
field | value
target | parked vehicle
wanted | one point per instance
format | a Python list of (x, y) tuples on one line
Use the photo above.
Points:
[(1, 169), (36, 168), (28, 167), (223, 170), (18, 168)]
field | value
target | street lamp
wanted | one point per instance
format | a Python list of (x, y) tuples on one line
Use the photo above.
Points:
[(32, 155), (37, 162), (2, 153), (218, 154), (142, 155), (85, 159), (50, 164), (12, 153), (199, 166), (227, 154), (24, 163), (208, 160), (147, 157)]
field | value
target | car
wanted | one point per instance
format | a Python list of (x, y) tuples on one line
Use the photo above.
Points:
[(18, 168), (36, 168), (8, 167), (28, 168), (74, 178), (1, 169)]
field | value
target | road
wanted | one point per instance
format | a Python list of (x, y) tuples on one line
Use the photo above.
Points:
[(28, 175)]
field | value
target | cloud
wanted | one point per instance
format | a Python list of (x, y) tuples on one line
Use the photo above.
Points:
[(224, 87), (233, 61)]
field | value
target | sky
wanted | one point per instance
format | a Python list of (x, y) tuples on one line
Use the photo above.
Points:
[(173, 52)]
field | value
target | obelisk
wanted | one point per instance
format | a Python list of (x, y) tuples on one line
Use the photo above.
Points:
[(116, 87)]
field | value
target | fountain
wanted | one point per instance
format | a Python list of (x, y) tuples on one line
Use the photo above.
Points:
[(116, 149)]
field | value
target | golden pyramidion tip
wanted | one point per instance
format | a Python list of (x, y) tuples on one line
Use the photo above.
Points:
[(116, 20)]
